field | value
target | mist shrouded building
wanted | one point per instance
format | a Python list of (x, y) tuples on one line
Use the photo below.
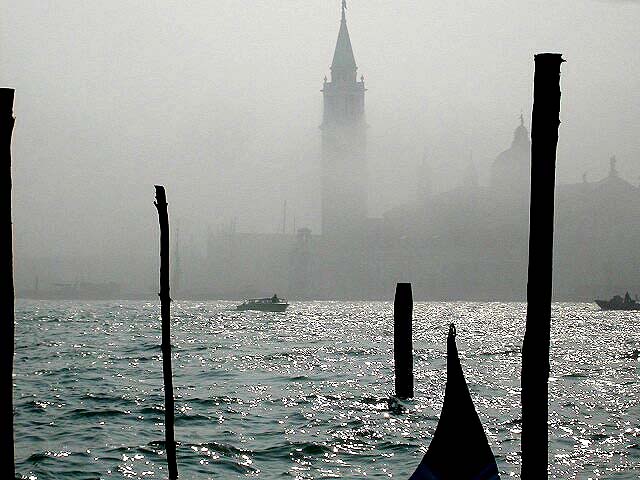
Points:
[(344, 169), (466, 243), (510, 170)]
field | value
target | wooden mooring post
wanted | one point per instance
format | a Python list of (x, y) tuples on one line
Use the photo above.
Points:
[(402, 340), (7, 295), (165, 309), (535, 347)]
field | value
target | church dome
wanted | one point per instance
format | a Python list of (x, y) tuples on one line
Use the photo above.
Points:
[(521, 136), (510, 170)]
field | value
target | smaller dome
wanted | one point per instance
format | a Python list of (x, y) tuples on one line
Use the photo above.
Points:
[(510, 170), (521, 135)]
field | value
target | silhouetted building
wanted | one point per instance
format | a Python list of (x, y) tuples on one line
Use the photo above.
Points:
[(344, 166), (301, 275), (597, 230), (470, 242), (510, 171)]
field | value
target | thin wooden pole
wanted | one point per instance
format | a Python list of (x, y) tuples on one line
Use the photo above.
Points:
[(7, 296), (535, 348), (402, 340), (165, 309)]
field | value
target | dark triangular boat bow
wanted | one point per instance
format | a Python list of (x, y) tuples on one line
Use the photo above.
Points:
[(459, 449)]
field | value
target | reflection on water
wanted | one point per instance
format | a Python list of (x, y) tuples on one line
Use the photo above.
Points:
[(304, 394)]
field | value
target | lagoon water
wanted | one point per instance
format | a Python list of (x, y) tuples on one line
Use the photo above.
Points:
[(303, 395)]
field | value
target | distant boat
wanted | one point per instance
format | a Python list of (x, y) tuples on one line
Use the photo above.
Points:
[(459, 449), (268, 304), (619, 303)]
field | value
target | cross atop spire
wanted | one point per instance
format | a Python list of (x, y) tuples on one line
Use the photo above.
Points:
[(343, 66), (521, 136)]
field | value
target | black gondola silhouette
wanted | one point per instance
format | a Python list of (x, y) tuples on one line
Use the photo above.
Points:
[(459, 449)]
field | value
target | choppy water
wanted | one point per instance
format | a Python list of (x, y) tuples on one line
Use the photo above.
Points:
[(303, 394)]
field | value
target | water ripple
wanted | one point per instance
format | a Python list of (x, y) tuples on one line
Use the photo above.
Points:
[(304, 395)]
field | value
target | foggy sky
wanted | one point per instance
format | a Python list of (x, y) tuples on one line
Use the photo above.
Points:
[(220, 101)]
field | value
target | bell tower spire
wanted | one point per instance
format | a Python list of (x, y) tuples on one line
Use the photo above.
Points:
[(344, 178), (343, 66)]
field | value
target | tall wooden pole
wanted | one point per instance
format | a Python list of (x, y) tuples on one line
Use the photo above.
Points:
[(535, 348), (165, 309), (402, 340), (7, 315)]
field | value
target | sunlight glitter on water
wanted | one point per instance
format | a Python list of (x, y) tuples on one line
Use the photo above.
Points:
[(304, 394)]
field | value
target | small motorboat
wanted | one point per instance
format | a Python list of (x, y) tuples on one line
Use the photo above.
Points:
[(459, 449), (619, 303), (268, 304)]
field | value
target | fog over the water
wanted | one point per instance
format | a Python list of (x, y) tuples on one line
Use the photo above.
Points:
[(220, 102)]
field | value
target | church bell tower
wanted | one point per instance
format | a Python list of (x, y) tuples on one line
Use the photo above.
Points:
[(344, 169)]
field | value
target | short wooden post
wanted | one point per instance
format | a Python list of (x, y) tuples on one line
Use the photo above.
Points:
[(535, 348), (402, 341), (165, 309), (7, 296)]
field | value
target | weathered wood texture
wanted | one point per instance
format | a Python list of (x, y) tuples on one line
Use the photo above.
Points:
[(535, 348), (165, 308), (402, 341), (7, 316)]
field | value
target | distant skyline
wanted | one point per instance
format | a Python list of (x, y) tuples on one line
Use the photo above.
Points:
[(221, 103)]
